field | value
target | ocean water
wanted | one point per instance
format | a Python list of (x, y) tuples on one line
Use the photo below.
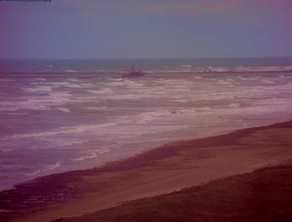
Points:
[(57, 116)]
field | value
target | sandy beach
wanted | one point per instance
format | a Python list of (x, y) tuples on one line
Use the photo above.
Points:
[(172, 167), (145, 111), (261, 196)]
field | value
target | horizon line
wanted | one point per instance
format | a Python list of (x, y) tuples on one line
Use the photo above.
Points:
[(148, 58)]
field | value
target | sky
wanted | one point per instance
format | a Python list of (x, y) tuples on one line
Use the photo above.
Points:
[(97, 29)]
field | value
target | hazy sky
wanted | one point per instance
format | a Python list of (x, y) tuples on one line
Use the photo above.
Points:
[(145, 28)]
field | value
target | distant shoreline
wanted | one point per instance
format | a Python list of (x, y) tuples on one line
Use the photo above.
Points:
[(82, 75)]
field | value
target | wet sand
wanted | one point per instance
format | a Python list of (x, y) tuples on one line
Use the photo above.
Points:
[(261, 196), (170, 168)]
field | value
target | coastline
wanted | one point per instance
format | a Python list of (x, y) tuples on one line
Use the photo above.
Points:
[(93, 75), (169, 168)]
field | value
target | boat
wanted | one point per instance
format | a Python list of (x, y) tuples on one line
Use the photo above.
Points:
[(133, 73)]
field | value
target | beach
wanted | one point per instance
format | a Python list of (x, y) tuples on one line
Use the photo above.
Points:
[(55, 125), (73, 145), (66, 115), (261, 196), (145, 111), (166, 169)]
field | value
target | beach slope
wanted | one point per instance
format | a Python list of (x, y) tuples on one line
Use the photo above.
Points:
[(261, 196), (167, 169)]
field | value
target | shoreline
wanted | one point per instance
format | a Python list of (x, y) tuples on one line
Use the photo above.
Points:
[(166, 169), (142, 153)]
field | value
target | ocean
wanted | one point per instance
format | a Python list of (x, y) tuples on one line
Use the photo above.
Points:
[(62, 115)]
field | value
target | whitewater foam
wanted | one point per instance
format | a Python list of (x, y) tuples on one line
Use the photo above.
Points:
[(45, 169), (105, 91), (40, 89), (63, 109), (92, 155)]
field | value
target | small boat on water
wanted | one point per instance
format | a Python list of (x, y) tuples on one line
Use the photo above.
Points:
[(133, 73)]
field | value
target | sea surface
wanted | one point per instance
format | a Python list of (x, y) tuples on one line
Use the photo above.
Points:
[(63, 115)]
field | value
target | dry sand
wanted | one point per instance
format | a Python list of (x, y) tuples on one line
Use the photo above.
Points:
[(263, 195), (166, 169)]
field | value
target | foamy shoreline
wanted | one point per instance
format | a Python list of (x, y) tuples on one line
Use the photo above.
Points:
[(163, 170), (51, 125)]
